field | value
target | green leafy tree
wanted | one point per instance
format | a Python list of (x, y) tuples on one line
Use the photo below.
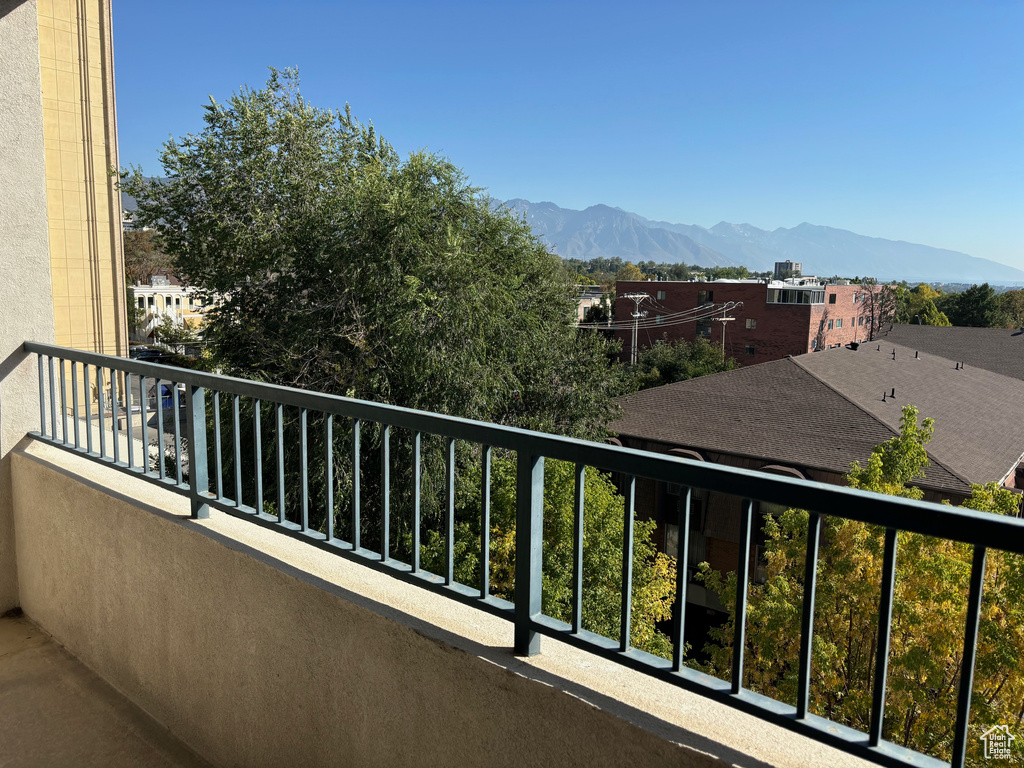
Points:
[(978, 307), (653, 572), (175, 333), (929, 613), (340, 267), (142, 255), (1011, 309), (669, 361)]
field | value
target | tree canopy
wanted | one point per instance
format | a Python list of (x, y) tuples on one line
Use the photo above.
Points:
[(666, 362), (340, 267), (929, 610)]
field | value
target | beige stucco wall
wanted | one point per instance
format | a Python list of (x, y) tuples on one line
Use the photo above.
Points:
[(25, 293), (258, 650)]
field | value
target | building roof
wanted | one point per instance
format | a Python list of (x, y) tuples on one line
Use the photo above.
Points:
[(825, 410), (994, 349)]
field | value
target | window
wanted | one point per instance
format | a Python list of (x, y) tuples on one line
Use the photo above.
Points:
[(831, 298), (661, 295), (704, 328), (856, 298), (659, 319), (705, 297), (151, 300), (860, 321), (830, 323), (142, 302), (814, 343), (751, 323), (839, 323), (853, 322), (749, 349)]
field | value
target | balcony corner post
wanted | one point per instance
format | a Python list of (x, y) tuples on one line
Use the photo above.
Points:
[(529, 550), (198, 472)]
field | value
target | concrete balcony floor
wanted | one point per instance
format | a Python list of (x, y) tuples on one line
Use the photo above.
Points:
[(56, 712)]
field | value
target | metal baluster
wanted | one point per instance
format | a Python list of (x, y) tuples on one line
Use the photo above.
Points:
[(115, 428), (963, 699), (218, 467), (682, 558), (803, 691), (529, 550), (101, 409), (128, 419), (177, 432), (485, 521), (329, 449), (88, 408), (577, 550), (63, 405), (385, 499), (304, 461), (416, 502), (884, 634), (238, 451), (74, 401), (257, 418), (42, 396), (280, 463), (449, 498), (160, 428), (53, 399), (626, 620), (742, 583), (355, 484), (144, 417)]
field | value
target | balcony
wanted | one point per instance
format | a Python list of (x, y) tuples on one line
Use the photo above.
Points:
[(214, 601)]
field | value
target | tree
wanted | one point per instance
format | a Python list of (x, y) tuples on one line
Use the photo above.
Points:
[(175, 333), (653, 572), (883, 304), (669, 361), (1011, 309), (340, 267), (978, 307), (630, 272), (929, 611), (142, 256)]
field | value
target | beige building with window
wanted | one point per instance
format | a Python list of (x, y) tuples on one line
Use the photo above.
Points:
[(83, 206)]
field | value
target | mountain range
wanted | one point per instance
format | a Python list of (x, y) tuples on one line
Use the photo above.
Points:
[(604, 231)]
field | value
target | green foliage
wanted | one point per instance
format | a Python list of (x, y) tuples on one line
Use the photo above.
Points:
[(175, 333), (653, 572), (341, 268), (630, 272), (929, 611), (142, 255), (136, 315), (1011, 309), (669, 361), (978, 307)]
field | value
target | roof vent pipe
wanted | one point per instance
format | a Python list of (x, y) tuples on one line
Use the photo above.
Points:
[(958, 366), (917, 355), (893, 392), (883, 396)]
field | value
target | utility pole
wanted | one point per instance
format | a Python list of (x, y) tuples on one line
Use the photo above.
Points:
[(637, 299)]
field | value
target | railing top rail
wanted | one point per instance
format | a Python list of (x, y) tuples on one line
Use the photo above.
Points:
[(954, 523)]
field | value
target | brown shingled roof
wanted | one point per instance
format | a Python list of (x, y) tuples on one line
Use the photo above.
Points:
[(994, 349), (825, 410)]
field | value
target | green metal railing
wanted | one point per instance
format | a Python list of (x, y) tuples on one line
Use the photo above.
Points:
[(195, 407)]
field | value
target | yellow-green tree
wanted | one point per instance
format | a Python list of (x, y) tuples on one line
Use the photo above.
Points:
[(630, 272), (929, 614), (654, 573)]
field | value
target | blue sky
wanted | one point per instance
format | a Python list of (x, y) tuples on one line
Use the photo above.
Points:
[(893, 119)]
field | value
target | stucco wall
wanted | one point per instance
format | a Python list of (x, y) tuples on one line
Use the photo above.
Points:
[(26, 309), (258, 650)]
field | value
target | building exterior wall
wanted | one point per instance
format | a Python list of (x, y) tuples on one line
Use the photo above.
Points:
[(778, 329), (83, 210), (26, 304)]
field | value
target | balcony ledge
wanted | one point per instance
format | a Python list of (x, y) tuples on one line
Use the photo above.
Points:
[(256, 649)]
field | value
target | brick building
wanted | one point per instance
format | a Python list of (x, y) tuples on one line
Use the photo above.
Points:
[(778, 318)]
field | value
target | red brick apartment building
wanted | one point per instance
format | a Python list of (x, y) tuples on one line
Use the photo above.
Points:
[(778, 318)]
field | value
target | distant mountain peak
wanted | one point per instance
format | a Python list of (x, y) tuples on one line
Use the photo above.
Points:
[(602, 230)]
